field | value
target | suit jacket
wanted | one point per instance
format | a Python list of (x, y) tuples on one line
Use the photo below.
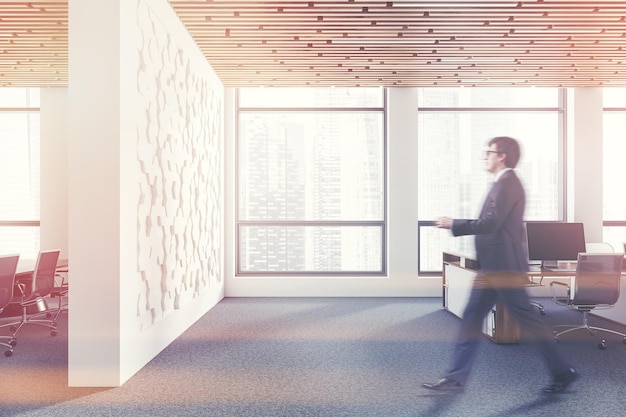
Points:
[(500, 236)]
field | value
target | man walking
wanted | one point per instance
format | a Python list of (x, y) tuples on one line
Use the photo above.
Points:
[(503, 264)]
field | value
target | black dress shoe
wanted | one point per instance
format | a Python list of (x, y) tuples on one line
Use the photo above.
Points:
[(445, 385), (561, 382)]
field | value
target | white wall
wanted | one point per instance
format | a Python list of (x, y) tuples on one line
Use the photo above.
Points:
[(53, 151), (145, 176), (94, 196)]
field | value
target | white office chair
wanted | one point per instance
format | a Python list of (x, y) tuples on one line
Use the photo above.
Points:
[(595, 286), (591, 247)]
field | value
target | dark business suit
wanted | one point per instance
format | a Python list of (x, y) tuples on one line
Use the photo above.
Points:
[(503, 264)]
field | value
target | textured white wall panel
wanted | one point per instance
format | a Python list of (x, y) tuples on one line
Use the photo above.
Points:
[(179, 161), (145, 174)]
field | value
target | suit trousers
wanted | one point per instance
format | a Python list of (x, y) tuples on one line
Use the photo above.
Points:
[(510, 289)]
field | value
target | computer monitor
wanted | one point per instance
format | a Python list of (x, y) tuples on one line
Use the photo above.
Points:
[(551, 242)]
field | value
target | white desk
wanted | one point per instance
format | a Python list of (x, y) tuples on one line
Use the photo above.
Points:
[(458, 275), (459, 271)]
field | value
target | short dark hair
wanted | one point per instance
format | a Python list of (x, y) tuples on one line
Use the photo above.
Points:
[(509, 147)]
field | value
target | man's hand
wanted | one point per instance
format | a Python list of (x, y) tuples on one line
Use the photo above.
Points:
[(444, 223)]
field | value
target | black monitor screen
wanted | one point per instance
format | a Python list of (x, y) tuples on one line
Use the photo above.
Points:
[(555, 241)]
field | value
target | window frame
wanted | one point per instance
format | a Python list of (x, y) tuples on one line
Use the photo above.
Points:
[(241, 224), (22, 223), (561, 111)]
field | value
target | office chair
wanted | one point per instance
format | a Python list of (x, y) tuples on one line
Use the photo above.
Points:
[(595, 286), (591, 247), (60, 291), (33, 294), (8, 266)]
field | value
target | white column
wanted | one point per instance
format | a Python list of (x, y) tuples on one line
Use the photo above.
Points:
[(53, 203), (584, 157), (402, 194)]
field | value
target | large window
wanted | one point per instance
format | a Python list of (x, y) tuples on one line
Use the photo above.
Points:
[(19, 171), (614, 148), (311, 182), (454, 125)]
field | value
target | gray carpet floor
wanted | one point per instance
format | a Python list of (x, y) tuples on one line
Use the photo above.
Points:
[(320, 357)]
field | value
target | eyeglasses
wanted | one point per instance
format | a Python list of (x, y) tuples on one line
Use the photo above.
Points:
[(488, 152)]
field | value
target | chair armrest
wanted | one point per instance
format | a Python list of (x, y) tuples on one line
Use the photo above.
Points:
[(60, 288), (61, 275), (557, 300), (22, 287)]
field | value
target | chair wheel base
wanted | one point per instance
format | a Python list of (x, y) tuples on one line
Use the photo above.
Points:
[(8, 353)]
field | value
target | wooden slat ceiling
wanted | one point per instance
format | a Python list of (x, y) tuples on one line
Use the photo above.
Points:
[(546, 43)]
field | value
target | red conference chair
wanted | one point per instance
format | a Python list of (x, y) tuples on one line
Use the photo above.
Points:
[(8, 266), (33, 293)]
